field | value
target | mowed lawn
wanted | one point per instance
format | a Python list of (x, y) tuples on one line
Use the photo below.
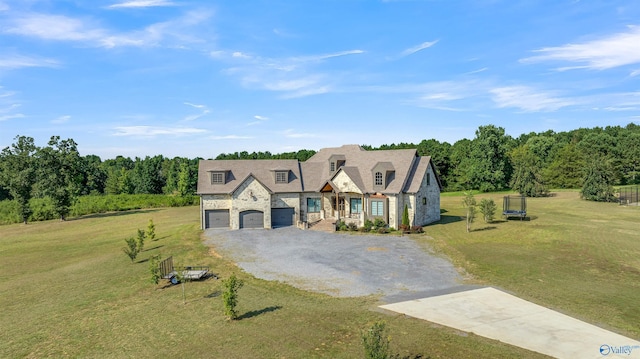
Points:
[(68, 290), (578, 257)]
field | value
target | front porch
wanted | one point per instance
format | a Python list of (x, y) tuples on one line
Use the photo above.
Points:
[(347, 206)]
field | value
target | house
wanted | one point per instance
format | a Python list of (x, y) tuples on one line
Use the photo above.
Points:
[(344, 183)]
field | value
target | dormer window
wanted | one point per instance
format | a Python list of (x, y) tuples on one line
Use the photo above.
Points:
[(378, 179), (217, 178), (282, 176), (335, 162), (382, 173)]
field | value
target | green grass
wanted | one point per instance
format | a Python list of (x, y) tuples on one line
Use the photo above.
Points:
[(578, 257), (68, 290)]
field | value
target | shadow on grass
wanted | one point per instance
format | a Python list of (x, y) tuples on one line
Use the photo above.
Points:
[(215, 294), (143, 260), (449, 219), (114, 214), (255, 313), (484, 229), (152, 248), (524, 219)]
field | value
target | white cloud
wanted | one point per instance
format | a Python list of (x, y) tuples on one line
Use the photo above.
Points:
[(292, 76), (11, 117), (261, 118), (194, 105), (19, 61), (141, 4), (612, 51), (61, 120), (152, 131), (422, 46), (528, 99), (175, 32), (634, 73), (54, 27), (203, 108)]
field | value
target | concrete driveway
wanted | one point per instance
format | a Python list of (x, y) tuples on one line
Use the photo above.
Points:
[(341, 265)]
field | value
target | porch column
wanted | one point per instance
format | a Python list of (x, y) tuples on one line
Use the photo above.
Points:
[(337, 206)]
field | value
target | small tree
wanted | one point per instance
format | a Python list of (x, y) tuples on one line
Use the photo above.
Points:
[(154, 269), (488, 209), (151, 230), (469, 203), (230, 296), (140, 239), (376, 341), (131, 249), (405, 218)]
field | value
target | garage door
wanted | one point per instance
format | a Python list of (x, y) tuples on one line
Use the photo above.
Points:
[(282, 217), (251, 219), (218, 218)]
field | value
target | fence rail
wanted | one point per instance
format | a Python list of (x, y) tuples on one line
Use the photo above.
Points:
[(629, 195)]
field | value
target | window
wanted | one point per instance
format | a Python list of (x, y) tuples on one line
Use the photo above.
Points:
[(424, 200), (333, 166), (281, 177), (217, 178), (356, 205), (378, 179), (428, 179), (377, 208), (313, 205)]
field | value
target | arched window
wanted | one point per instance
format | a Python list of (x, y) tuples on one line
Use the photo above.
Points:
[(378, 179)]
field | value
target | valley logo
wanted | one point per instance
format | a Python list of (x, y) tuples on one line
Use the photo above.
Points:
[(618, 350)]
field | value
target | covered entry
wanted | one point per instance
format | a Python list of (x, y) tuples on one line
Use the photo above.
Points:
[(216, 218), (251, 219), (282, 217)]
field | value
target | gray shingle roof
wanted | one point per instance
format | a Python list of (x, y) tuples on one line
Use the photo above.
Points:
[(311, 175)]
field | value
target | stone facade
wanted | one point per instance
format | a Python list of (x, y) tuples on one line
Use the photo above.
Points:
[(333, 176)]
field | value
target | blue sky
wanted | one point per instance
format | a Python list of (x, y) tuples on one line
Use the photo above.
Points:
[(198, 78)]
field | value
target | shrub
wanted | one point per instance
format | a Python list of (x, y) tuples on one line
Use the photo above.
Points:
[(140, 239), (364, 229), (131, 250), (151, 230), (368, 225), (404, 227), (405, 216), (383, 230), (352, 227), (376, 341), (154, 268), (341, 226), (230, 296), (488, 209), (379, 223), (417, 229)]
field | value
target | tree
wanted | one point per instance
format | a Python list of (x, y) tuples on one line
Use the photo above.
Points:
[(488, 165), (183, 180), (527, 176), (230, 296), (151, 230), (376, 341), (140, 239), (488, 209), (154, 269), (61, 176), (469, 202), (566, 169), (405, 217), (18, 172), (131, 250), (597, 181)]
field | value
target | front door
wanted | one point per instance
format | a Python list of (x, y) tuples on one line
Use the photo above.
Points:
[(337, 206)]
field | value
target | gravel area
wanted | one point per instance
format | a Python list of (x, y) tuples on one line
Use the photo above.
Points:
[(341, 265)]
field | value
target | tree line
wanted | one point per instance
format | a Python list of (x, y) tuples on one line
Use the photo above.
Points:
[(59, 172), (594, 159)]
